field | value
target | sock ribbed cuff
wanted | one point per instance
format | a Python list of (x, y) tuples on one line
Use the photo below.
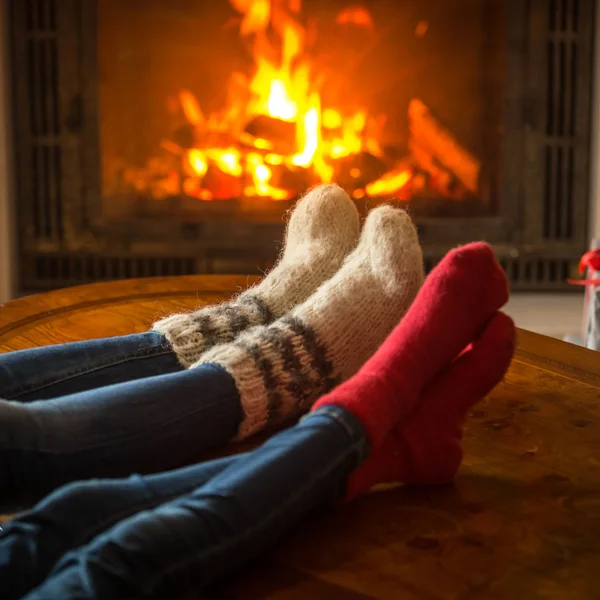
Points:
[(191, 334), (279, 372)]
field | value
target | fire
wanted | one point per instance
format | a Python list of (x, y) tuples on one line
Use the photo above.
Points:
[(279, 104), (274, 135), (285, 89), (389, 183)]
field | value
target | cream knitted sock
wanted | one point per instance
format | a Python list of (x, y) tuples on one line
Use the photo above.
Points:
[(282, 368), (322, 230)]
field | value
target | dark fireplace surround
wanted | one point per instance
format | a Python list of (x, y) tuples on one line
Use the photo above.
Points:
[(538, 226)]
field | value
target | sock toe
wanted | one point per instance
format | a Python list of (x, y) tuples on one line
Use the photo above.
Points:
[(325, 213), (390, 237), (478, 259), (281, 369), (458, 298), (425, 448), (483, 366)]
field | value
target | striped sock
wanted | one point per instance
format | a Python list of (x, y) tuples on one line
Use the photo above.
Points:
[(322, 230), (282, 368)]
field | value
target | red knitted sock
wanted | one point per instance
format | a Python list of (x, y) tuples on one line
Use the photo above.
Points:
[(425, 448), (460, 295)]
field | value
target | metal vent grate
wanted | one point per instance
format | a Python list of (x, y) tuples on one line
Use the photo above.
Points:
[(44, 119), (562, 64), (533, 273), (71, 269), (538, 273)]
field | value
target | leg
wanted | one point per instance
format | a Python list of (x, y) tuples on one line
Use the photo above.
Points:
[(52, 371), (191, 542), (148, 425), (187, 544), (268, 375), (76, 513), (424, 448)]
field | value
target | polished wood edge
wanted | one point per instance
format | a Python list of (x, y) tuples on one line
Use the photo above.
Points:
[(556, 356), (31, 308), (537, 350)]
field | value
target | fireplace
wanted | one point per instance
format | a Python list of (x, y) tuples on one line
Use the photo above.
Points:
[(157, 138), (289, 100)]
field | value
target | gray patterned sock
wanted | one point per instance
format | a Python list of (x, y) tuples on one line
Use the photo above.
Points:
[(282, 368), (322, 230)]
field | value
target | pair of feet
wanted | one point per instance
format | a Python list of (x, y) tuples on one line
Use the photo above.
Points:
[(449, 351), (317, 317), (325, 310)]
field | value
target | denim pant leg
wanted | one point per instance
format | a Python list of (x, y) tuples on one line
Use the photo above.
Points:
[(33, 542), (142, 426), (184, 545), (52, 371)]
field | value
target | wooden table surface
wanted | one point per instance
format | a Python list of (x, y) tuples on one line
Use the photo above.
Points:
[(521, 522)]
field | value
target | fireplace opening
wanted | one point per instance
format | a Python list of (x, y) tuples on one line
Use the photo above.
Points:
[(168, 138), (232, 109)]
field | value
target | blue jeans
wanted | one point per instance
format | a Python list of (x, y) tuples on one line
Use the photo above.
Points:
[(106, 408), (164, 536)]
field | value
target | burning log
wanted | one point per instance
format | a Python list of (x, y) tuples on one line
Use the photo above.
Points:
[(171, 147), (191, 109), (185, 136), (359, 169), (393, 183), (221, 185), (427, 163), (296, 179), (431, 137), (279, 135), (439, 179)]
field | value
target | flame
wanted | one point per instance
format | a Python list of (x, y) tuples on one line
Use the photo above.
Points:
[(228, 161), (198, 162), (389, 184), (310, 133), (261, 176), (356, 15), (285, 88), (280, 103), (191, 108), (332, 119)]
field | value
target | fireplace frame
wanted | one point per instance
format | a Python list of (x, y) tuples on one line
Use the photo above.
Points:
[(68, 240)]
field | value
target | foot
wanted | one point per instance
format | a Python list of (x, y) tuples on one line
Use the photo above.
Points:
[(425, 448), (322, 230), (281, 369), (458, 298)]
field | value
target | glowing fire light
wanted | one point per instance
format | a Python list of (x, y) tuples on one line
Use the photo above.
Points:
[(284, 89), (261, 175), (198, 162), (279, 103), (310, 132), (388, 184)]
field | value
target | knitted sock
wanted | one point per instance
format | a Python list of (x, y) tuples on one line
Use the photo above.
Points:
[(322, 230), (282, 368), (425, 448), (460, 295)]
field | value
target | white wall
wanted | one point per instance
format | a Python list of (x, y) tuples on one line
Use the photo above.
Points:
[(6, 171), (595, 157)]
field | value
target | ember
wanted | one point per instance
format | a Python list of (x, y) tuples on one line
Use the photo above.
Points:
[(274, 135)]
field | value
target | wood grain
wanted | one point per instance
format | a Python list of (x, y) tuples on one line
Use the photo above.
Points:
[(522, 520)]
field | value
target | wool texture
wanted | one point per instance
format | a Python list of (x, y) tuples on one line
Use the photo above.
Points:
[(425, 448), (462, 293), (322, 230), (282, 368)]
